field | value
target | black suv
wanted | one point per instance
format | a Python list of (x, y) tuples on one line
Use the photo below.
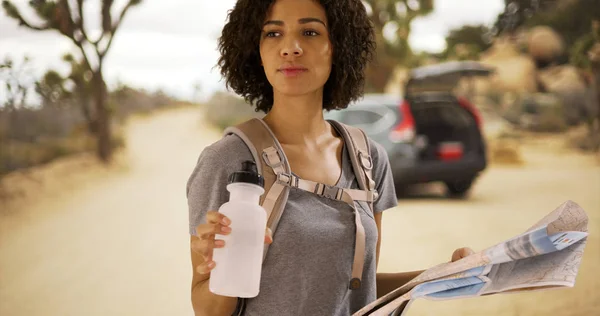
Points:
[(431, 135)]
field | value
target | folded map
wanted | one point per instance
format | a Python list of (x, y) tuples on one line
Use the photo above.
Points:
[(547, 255)]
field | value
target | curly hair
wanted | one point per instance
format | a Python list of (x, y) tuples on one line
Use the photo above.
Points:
[(351, 34)]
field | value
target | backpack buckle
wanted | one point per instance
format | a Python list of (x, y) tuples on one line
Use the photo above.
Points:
[(287, 179), (365, 160), (330, 192), (327, 191), (272, 154)]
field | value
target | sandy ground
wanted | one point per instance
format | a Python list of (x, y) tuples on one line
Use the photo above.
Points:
[(93, 240)]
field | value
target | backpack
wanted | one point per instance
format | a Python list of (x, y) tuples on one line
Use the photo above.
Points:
[(278, 179)]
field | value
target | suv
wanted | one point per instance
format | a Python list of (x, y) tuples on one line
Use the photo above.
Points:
[(431, 135)]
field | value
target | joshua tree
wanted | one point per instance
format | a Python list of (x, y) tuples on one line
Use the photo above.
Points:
[(395, 15), (66, 17)]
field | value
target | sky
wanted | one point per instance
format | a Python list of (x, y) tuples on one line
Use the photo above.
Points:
[(171, 45)]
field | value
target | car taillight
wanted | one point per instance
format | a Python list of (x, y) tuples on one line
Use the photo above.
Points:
[(450, 151), (404, 132), (467, 105)]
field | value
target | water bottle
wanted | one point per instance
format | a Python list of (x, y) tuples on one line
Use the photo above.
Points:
[(239, 263)]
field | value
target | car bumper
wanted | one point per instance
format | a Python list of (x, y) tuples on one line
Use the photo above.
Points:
[(433, 171)]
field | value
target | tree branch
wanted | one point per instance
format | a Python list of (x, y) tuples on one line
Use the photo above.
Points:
[(106, 16), (85, 58), (14, 13), (116, 25), (64, 19), (79, 21), (410, 13), (391, 9)]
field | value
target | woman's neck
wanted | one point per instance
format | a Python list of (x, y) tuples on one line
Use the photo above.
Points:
[(298, 120)]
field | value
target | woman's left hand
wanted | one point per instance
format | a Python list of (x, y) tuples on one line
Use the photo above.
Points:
[(461, 253)]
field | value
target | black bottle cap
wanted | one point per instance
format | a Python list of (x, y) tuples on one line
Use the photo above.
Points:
[(248, 174)]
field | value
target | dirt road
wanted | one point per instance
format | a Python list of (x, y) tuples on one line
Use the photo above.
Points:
[(115, 241)]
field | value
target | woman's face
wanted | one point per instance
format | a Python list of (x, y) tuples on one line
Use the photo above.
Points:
[(295, 48)]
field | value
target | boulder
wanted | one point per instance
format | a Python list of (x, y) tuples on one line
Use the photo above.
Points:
[(562, 79), (502, 48), (539, 112), (567, 83), (544, 44), (515, 72)]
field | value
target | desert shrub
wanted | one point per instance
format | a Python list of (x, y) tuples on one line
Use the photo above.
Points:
[(538, 112), (225, 109), (31, 136), (125, 101)]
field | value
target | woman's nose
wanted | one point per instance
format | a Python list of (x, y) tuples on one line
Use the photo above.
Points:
[(291, 48)]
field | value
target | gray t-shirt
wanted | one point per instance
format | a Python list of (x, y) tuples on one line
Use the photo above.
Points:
[(309, 264)]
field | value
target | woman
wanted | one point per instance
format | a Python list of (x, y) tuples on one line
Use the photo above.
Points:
[(293, 59)]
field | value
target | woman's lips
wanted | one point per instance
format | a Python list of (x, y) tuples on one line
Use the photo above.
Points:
[(292, 71)]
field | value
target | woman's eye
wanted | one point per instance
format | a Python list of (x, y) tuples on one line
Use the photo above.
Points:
[(271, 34), (310, 33)]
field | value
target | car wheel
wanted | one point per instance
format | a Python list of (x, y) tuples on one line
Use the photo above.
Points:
[(459, 188), (401, 190)]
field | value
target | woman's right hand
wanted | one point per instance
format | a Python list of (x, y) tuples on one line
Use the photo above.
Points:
[(216, 224)]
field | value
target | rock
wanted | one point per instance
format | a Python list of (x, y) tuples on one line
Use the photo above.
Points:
[(544, 44), (540, 112), (515, 72), (502, 48), (567, 83), (505, 152), (562, 79)]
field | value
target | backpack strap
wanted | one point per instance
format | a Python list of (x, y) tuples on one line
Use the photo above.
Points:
[(360, 155), (270, 161)]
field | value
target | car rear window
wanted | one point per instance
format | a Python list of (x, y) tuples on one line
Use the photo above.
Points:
[(361, 117)]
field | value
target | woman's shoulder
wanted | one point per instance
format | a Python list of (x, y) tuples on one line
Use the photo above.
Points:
[(226, 149), (221, 158)]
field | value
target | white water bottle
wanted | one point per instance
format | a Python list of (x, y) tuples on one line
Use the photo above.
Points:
[(239, 263)]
